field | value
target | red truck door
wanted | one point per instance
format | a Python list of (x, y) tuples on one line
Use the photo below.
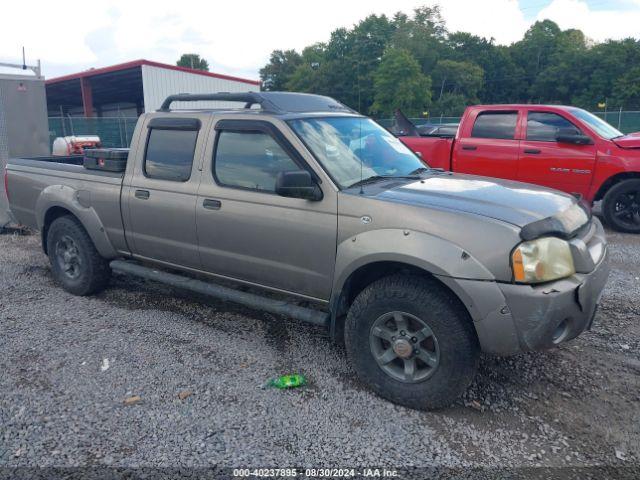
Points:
[(545, 161), (488, 144)]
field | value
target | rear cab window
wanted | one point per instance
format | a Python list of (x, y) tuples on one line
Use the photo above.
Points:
[(171, 145), (501, 125), (546, 126)]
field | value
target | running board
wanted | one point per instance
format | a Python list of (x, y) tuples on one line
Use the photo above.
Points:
[(279, 307)]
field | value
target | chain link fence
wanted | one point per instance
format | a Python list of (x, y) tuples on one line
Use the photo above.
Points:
[(113, 131), (625, 121), (117, 131)]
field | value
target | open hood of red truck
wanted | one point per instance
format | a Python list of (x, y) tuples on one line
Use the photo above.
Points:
[(631, 140)]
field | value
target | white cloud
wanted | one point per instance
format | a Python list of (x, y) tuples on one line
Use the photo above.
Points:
[(499, 19), (237, 37), (599, 25)]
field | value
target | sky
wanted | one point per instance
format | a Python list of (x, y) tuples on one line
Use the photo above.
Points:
[(236, 37)]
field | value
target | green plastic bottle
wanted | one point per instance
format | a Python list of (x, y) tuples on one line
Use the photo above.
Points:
[(287, 381)]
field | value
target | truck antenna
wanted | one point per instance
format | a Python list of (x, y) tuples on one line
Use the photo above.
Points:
[(361, 160)]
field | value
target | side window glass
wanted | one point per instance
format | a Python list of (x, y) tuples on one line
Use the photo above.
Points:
[(250, 159), (169, 154), (495, 125), (545, 127)]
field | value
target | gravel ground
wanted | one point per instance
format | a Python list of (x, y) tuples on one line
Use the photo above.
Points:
[(67, 364)]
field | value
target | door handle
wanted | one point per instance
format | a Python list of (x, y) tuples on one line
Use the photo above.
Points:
[(533, 151), (211, 204), (469, 147), (142, 194)]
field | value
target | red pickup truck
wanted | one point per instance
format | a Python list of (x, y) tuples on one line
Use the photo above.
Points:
[(565, 148)]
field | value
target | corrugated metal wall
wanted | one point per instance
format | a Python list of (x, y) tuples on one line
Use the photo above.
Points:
[(158, 83)]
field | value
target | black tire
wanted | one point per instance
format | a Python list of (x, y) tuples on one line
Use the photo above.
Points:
[(621, 206), (454, 335), (82, 271)]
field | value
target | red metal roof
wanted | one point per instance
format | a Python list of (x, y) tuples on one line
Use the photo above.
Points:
[(138, 63)]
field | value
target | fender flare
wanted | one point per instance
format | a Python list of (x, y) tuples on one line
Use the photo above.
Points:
[(78, 202), (429, 253)]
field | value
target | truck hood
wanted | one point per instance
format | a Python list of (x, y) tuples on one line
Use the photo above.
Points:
[(631, 140), (517, 203)]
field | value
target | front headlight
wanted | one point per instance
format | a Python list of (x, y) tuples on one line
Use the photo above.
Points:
[(542, 260)]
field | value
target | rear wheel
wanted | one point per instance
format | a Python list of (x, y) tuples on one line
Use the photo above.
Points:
[(76, 264), (621, 206), (412, 342)]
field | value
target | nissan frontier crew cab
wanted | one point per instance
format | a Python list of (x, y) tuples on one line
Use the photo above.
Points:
[(417, 270)]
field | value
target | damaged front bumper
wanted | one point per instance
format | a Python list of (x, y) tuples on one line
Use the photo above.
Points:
[(547, 315), (512, 318)]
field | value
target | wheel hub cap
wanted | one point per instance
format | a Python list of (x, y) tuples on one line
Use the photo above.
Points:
[(402, 348), (68, 257)]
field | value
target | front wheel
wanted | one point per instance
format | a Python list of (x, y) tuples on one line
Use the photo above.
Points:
[(621, 206), (412, 342), (76, 264)]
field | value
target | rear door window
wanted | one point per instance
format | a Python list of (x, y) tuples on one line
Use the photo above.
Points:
[(546, 126), (495, 125), (169, 154)]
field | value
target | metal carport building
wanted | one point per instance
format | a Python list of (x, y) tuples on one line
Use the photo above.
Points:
[(131, 88)]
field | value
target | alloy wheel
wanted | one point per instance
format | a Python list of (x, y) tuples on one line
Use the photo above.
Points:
[(404, 347)]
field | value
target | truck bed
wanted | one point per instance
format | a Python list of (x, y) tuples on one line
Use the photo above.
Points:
[(37, 184), (434, 151), (65, 159), (73, 164)]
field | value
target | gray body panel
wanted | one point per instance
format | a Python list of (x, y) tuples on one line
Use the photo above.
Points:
[(23, 124), (459, 228), (284, 243)]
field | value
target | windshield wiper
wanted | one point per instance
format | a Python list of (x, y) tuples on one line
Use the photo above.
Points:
[(420, 170), (376, 178)]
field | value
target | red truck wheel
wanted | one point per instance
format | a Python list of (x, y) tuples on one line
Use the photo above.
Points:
[(621, 206)]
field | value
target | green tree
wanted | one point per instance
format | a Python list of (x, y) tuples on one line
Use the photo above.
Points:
[(450, 104), (453, 77), (310, 74), (423, 35), (626, 89), (605, 65), (399, 83), (193, 60), (548, 65), (502, 81), (276, 73)]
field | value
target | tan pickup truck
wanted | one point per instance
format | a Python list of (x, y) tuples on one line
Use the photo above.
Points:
[(417, 270)]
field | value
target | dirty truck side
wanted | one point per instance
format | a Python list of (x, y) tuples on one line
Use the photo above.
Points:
[(416, 270)]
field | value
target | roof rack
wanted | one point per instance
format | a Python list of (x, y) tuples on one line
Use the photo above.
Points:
[(248, 98), (273, 102)]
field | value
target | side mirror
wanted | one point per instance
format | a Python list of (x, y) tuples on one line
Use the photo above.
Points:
[(298, 184), (573, 138)]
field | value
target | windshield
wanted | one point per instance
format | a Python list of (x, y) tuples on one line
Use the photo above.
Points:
[(601, 127), (352, 149)]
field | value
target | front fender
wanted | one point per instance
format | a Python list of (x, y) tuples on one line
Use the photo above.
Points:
[(465, 276), (78, 202), (428, 252)]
